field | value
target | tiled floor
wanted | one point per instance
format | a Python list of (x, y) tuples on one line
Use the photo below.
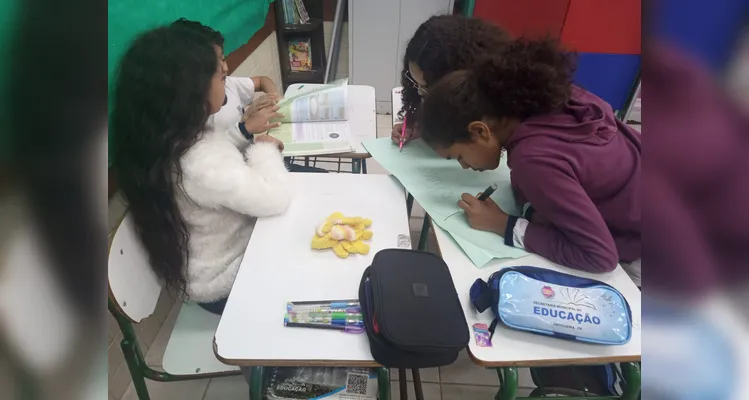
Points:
[(461, 380), (235, 387)]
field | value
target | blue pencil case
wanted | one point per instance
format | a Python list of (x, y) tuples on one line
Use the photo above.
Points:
[(552, 303)]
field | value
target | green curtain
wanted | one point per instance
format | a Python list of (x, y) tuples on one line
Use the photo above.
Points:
[(8, 18), (237, 20)]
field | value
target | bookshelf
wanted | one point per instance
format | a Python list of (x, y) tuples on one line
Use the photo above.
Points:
[(312, 30)]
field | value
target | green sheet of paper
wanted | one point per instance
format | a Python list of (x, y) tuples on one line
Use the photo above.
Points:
[(437, 183)]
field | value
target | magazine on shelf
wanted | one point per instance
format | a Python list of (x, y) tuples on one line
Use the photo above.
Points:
[(300, 57)]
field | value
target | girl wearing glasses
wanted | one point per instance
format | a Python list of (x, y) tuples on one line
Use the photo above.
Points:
[(442, 44)]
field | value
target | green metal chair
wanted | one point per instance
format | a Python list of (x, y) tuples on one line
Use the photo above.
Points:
[(133, 292)]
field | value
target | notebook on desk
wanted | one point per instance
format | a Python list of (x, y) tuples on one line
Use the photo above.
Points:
[(315, 121)]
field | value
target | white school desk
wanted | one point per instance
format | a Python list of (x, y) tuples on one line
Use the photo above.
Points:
[(513, 348), (279, 267), (362, 118), (516, 348)]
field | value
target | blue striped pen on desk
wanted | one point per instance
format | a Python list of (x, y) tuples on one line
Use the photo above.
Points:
[(349, 325), (324, 315), (328, 310)]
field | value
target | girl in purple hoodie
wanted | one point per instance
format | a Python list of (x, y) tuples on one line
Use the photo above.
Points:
[(575, 164)]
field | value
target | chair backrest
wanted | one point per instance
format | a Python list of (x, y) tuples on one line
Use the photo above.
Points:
[(133, 285)]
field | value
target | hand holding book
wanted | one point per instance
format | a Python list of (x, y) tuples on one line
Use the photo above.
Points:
[(263, 102), (259, 121), (314, 121)]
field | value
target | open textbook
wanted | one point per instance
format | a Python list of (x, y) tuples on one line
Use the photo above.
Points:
[(315, 120)]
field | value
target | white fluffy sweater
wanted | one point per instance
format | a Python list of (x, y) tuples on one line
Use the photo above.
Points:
[(224, 190)]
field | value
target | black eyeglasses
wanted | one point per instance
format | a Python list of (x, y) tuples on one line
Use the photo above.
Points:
[(421, 89)]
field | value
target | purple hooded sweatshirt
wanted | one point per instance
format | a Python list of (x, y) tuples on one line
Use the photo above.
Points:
[(579, 168)]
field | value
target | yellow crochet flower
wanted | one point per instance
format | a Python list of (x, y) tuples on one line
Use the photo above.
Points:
[(343, 234)]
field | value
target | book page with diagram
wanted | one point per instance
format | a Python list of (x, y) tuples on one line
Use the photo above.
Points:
[(314, 120), (313, 138), (318, 103)]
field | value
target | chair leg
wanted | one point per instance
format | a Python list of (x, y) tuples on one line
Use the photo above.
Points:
[(256, 383), (403, 383), (136, 370), (633, 379), (508, 378), (417, 384), (383, 383)]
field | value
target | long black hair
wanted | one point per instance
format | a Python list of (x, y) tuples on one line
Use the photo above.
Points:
[(530, 77), (443, 44), (160, 109)]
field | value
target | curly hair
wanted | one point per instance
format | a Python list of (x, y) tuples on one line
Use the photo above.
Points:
[(160, 109), (443, 44), (530, 77)]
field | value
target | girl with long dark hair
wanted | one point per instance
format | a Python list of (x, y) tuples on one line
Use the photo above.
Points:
[(192, 190)]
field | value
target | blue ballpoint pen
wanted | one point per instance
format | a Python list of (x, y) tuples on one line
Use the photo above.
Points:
[(346, 325)]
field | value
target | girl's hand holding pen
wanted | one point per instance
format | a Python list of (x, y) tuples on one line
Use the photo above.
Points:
[(483, 215), (395, 134)]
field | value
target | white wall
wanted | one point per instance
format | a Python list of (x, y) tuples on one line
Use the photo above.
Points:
[(263, 62), (342, 68), (379, 32), (636, 114)]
